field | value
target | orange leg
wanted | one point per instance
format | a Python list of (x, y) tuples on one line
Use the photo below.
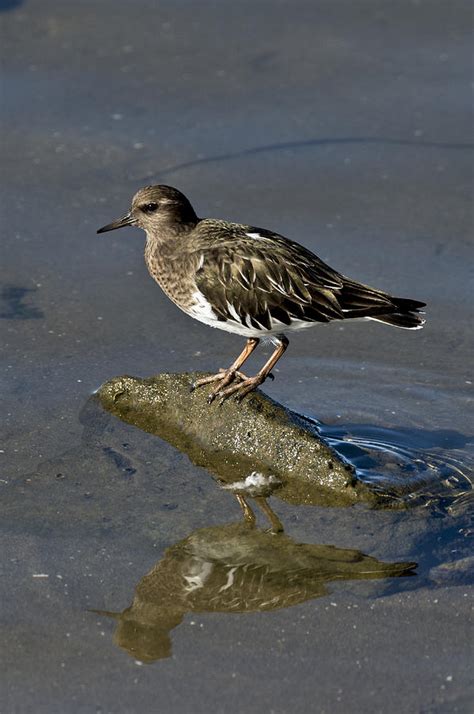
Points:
[(250, 383), (249, 515), (277, 526), (226, 376)]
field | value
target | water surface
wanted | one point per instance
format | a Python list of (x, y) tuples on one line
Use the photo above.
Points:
[(344, 126)]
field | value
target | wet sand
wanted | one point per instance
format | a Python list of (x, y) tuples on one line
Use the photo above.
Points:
[(343, 126)]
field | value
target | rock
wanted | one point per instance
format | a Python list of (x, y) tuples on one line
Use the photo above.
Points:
[(257, 440)]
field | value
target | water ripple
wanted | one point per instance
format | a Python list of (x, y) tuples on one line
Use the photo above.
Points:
[(398, 464)]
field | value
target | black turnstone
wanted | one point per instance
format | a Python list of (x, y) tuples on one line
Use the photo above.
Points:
[(248, 280)]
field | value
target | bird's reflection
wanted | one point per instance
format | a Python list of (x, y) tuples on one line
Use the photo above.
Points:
[(233, 568)]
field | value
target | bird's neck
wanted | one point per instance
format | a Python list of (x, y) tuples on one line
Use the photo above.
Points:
[(166, 245), (169, 259), (171, 233)]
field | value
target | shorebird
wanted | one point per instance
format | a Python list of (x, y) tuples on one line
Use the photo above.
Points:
[(249, 281)]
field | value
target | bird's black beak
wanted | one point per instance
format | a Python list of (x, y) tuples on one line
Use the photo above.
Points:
[(127, 220)]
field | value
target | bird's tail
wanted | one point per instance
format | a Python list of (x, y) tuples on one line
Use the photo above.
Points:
[(407, 314), (359, 300)]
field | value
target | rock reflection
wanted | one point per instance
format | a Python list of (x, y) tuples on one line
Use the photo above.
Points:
[(233, 569)]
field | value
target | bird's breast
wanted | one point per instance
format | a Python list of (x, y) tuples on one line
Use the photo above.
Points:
[(174, 275)]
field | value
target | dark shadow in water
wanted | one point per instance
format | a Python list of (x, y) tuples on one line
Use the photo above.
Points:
[(12, 297), (6, 5), (309, 144), (234, 569)]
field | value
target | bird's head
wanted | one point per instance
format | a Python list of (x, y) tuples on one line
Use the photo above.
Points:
[(154, 209)]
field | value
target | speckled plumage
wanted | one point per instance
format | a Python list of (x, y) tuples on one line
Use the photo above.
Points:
[(248, 280)]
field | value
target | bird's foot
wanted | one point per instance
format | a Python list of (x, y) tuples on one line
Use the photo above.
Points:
[(240, 390), (224, 377)]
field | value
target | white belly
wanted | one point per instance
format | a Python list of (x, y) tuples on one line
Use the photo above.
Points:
[(202, 310)]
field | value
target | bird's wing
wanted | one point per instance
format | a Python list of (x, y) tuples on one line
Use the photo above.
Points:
[(263, 280)]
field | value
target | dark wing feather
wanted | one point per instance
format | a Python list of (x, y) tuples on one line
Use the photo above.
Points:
[(259, 279), (358, 300), (267, 279)]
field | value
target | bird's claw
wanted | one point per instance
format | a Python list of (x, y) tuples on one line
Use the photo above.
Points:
[(231, 383), (222, 396)]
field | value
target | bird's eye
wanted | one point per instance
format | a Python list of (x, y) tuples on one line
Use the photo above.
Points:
[(149, 207)]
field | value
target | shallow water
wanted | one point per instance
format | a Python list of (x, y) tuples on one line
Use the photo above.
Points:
[(344, 127), (409, 467)]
